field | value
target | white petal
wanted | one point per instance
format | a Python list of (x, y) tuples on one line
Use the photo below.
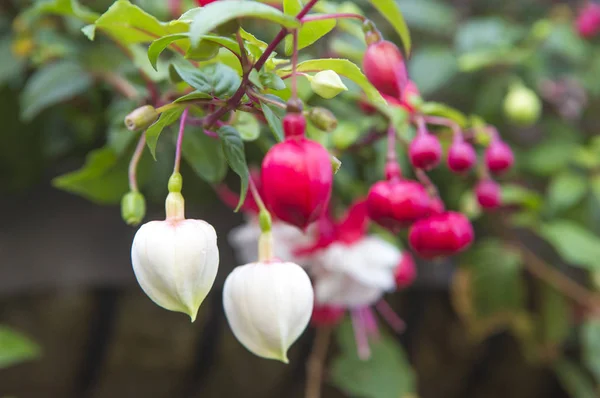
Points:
[(341, 290), (176, 263), (268, 306)]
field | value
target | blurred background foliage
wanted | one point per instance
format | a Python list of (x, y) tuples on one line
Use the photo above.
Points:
[(59, 110)]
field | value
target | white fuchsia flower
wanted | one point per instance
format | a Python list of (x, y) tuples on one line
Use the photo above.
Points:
[(176, 260)]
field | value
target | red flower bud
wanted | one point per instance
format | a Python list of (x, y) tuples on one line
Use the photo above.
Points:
[(397, 203), (588, 21), (498, 156), (325, 315), (202, 3), (488, 194), (406, 271), (294, 125), (425, 151), (461, 156), (384, 66), (297, 177), (440, 235)]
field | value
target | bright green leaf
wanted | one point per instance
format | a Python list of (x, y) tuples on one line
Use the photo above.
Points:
[(68, 8), (513, 194), (16, 348), (566, 189), (247, 125), (310, 32), (590, 346), (194, 95), (233, 148), (52, 84), (386, 374), (159, 45), (209, 17), (576, 245), (274, 116), (390, 10), (167, 118), (574, 380), (439, 109), (205, 156)]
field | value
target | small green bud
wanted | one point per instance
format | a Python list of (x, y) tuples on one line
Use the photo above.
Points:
[(264, 219), (175, 182), (327, 84), (133, 208), (141, 118), (522, 106), (336, 164), (323, 119)]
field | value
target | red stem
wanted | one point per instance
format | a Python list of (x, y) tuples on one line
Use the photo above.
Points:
[(133, 163), (180, 140)]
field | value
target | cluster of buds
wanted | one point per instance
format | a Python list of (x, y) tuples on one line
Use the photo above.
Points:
[(588, 20)]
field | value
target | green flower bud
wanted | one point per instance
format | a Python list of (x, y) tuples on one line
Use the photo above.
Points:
[(141, 118), (327, 84), (336, 164), (323, 119), (133, 208), (522, 106)]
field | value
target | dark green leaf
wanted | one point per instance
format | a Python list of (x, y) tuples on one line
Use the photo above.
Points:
[(53, 84), (566, 189), (216, 79), (255, 79), (208, 18), (576, 245), (247, 125), (485, 34), (390, 10), (387, 374), (274, 116), (16, 348), (432, 67), (10, 66), (159, 45), (574, 380), (513, 194), (555, 313), (167, 118), (193, 96), (272, 81), (549, 157), (590, 346), (429, 15), (233, 148), (205, 156)]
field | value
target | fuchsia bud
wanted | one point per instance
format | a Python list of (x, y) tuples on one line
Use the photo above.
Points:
[(461, 156), (384, 66), (202, 3), (406, 271), (294, 125), (326, 315), (425, 151), (397, 203), (588, 21), (437, 206), (498, 156), (297, 177), (441, 235), (488, 194)]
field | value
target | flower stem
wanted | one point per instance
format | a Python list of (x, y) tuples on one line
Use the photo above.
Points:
[(182, 121), (316, 362), (263, 98), (295, 65), (390, 316), (133, 163), (360, 335)]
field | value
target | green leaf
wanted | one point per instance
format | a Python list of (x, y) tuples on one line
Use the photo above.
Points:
[(233, 148), (102, 179), (10, 65), (576, 245), (430, 15), (204, 155), (274, 116), (513, 194), (52, 84), (159, 45), (387, 374), (590, 346), (566, 189), (16, 348), (272, 81), (209, 17), (390, 10), (555, 313), (247, 125), (167, 118), (432, 68), (485, 34), (193, 96), (68, 8), (216, 79), (549, 157), (310, 32), (342, 67), (573, 379), (439, 109), (128, 24)]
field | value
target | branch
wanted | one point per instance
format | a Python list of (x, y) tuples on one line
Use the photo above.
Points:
[(316, 362)]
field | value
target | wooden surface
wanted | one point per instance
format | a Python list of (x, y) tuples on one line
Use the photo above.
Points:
[(66, 281)]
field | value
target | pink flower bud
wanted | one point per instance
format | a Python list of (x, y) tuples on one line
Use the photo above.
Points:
[(406, 271), (461, 156), (441, 235), (425, 151), (488, 194), (297, 177), (397, 203), (588, 21), (384, 66), (326, 315), (498, 156), (294, 125), (202, 3)]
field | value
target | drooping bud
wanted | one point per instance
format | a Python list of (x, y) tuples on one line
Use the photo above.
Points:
[(498, 156), (385, 68), (461, 156), (326, 315), (397, 203), (141, 118), (327, 84), (268, 305), (133, 208), (425, 151), (588, 20), (440, 235), (488, 194), (297, 178), (202, 3), (294, 125), (406, 271), (522, 106), (323, 119), (176, 260)]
